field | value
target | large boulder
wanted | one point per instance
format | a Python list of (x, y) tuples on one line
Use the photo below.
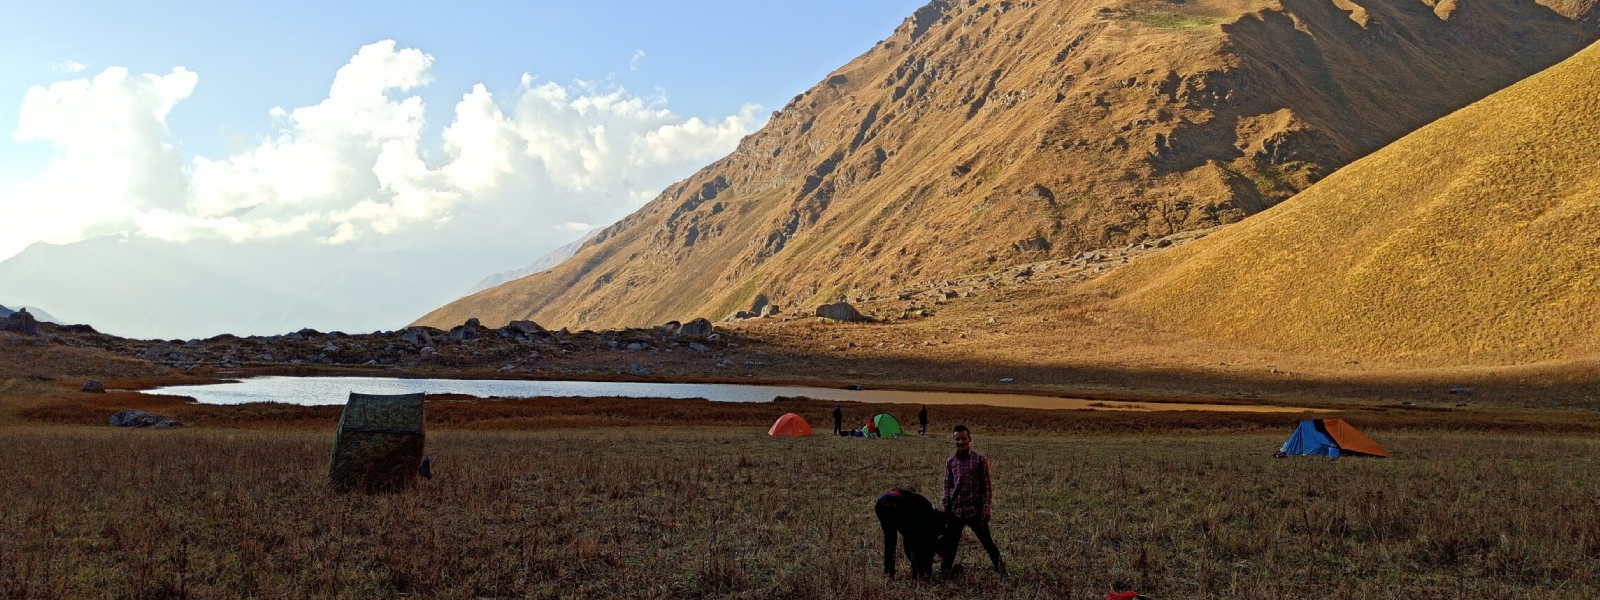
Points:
[(697, 328), (93, 386), (526, 327), (20, 322), (142, 420), (841, 311), (464, 333)]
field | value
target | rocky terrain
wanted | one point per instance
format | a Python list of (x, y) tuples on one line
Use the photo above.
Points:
[(1474, 240), (985, 135)]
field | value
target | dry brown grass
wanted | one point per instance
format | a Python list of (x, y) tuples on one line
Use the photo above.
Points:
[(1471, 241), (731, 513)]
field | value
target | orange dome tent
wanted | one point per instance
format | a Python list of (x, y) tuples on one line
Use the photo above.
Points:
[(790, 425)]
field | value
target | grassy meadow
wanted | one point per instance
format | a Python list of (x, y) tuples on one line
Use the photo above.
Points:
[(652, 511)]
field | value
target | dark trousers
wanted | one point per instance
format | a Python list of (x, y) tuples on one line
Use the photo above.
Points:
[(919, 528), (837, 426), (952, 538)]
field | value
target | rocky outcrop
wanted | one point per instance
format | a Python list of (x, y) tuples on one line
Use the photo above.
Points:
[(697, 328), (142, 420), (20, 322), (841, 311)]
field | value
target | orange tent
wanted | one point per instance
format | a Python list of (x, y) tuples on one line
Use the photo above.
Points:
[(790, 425), (1350, 440)]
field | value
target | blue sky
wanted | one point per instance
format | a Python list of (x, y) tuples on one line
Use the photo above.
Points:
[(710, 57), (363, 144)]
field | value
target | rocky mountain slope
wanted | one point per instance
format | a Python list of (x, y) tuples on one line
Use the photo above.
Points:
[(988, 133), (539, 265), (1473, 240)]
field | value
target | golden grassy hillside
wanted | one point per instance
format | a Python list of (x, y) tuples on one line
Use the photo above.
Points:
[(1475, 240), (989, 133)]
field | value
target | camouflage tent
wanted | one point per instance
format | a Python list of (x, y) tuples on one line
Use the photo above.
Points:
[(379, 443)]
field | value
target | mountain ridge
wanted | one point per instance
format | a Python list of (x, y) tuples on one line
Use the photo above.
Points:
[(1473, 240), (985, 134)]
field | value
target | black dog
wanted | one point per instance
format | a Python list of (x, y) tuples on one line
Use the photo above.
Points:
[(906, 514)]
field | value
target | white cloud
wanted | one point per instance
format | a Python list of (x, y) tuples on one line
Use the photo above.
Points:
[(68, 66), (112, 158), (638, 57), (576, 226), (353, 166)]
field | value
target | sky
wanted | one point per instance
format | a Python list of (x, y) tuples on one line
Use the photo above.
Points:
[(493, 132)]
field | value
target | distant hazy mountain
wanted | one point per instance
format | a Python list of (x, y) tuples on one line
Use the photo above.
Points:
[(38, 315), (145, 288), (544, 263)]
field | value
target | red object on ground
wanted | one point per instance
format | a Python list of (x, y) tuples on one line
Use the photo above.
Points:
[(1128, 595), (790, 425)]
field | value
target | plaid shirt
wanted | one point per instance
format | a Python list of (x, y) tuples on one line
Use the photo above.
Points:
[(967, 487)]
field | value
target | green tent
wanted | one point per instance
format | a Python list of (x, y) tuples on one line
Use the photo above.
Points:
[(379, 443), (888, 426)]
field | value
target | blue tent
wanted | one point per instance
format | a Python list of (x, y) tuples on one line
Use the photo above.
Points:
[(1309, 440)]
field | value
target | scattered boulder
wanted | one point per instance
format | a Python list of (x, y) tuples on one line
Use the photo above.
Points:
[(699, 347), (1463, 391), (529, 327), (93, 386), (473, 323), (464, 333), (142, 420), (636, 346), (695, 328), (416, 336), (841, 311), (20, 322)]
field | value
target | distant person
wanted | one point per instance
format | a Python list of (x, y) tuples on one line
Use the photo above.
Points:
[(922, 418), (968, 495), (872, 427), (907, 516), (838, 419)]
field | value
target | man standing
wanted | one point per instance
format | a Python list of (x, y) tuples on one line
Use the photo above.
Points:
[(838, 419), (922, 418), (968, 492)]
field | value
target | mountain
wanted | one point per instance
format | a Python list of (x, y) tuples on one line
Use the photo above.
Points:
[(1475, 240), (38, 315), (139, 287), (988, 133), (542, 264)]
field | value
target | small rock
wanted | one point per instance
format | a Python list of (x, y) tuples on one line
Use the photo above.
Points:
[(428, 351), (698, 347), (1008, 380), (142, 419), (93, 386), (1463, 391), (636, 346)]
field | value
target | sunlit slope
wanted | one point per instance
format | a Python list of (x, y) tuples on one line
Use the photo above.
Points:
[(989, 133), (1474, 240)]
